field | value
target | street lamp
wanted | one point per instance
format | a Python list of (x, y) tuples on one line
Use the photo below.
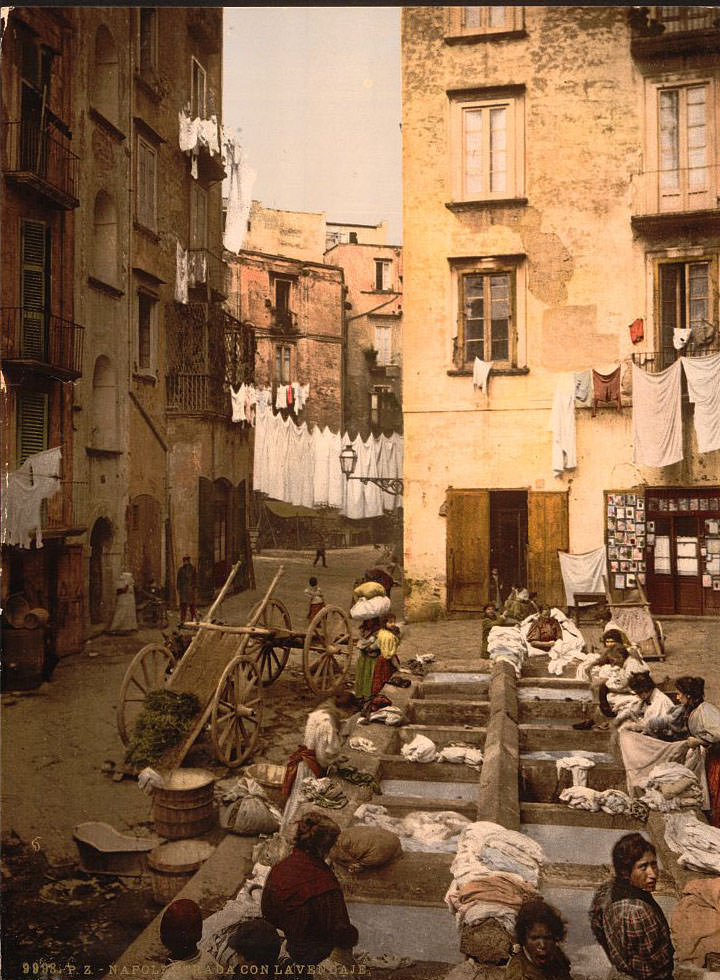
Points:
[(348, 462)]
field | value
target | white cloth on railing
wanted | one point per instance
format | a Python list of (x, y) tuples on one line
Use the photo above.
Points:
[(562, 425), (657, 417), (583, 573), (703, 380), (680, 337), (25, 489)]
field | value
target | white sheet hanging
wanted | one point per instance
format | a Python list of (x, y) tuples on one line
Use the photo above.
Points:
[(481, 372), (657, 417), (181, 274), (562, 424), (25, 489), (703, 381), (582, 573)]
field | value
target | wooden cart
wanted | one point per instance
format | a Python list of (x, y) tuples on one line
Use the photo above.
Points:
[(227, 668)]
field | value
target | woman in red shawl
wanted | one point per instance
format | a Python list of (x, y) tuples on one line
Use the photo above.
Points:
[(303, 898)]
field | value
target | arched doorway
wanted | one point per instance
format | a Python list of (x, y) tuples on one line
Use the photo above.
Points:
[(100, 540)]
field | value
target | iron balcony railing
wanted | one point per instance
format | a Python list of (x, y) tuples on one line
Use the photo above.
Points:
[(677, 190), (42, 158), (42, 340), (66, 509), (284, 320), (207, 269), (658, 360), (196, 393), (682, 20)]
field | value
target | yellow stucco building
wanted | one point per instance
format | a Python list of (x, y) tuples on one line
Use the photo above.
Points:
[(561, 182)]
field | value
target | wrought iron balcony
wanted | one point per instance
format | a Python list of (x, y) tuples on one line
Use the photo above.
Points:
[(679, 30), (283, 320), (41, 341), (689, 195), (658, 360), (41, 159), (191, 394), (67, 510), (207, 269)]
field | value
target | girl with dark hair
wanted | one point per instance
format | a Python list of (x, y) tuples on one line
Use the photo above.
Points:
[(538, 930), (625, 918), (181, 931), (303, 899), (651, 703), (702, 720)]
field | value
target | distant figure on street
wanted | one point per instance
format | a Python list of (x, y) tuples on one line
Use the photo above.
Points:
[(319, 549), (180, 932), (125, 617), (187, 588), (496, 588), (317, 600)]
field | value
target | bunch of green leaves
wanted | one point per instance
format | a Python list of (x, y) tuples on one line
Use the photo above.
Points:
[(165, 720)]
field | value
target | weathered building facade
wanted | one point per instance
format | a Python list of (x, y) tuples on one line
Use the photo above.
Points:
[(373, 277), (42, 337), (561, 184)]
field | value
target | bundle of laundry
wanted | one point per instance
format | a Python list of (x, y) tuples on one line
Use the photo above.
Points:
[(371, 608), (497, 895), (420, 749), (324, 792), (695, 921), (420, 830), (218, 928), (368, 590), (486, 847), (696, 842), (609, 800), (461, 755), (672, 786), (149, 780), (366, 847), (577, 766), (391, 715), (360, 744), (247, 809), (506, 643)]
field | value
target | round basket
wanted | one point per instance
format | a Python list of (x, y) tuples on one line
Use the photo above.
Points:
[(16, 609), (173, 865), (267, 774)]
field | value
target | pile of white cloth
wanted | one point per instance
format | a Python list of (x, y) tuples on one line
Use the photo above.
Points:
[(608, 800), (391, 716), (567, 648), (577, 766), (421, 830), (672, 786), (420, 749), (507, 643), (219, 927), (461, 755), (695, 841)]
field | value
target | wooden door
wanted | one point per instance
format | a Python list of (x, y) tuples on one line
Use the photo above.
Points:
[(468, 549), (144, 540), (69, 604), (548, 533)]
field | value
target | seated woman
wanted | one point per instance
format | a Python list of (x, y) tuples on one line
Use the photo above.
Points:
[(651, 704), (610, 676), (180, 931), (518, 606), (545, 630), (302, 897), (538, 929), (625, 918), (702, 720)]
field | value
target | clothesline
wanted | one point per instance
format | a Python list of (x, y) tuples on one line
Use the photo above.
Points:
[(25, 489), (301, 466), (247, 398)]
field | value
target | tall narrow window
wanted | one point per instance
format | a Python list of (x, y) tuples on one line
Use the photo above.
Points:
[(146, 184), (198, 216), (146, 307), (684, 147), (282, 295), (148, 39), (383, 270), (487, 316), (383, 344), (282, 365), (104, 252), (106, 78), (32, 424), (35, 288), (198, 91), (684, 302), (487, 147)]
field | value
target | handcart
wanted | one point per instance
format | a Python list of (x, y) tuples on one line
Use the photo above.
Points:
[(227, 668), (633, 617)]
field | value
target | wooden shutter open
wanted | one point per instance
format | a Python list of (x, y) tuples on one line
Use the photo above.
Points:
[(548, 533), (468, 549), (33, 289), (32, 424)]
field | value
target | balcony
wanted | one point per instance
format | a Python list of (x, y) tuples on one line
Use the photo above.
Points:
[(42, 342), (283, 320), (207, 269), (674, 30), (655, 361), (677, 198), (32, 157), (196, 394), (66, 512)]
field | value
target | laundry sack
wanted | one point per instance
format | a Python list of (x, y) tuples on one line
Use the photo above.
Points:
[(366, 847), (371, 608)]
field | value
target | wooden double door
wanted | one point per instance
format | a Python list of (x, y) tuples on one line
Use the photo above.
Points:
[(517, 531)]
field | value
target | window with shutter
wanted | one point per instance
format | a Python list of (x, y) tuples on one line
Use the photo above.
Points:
[(145, 205), (35, 288), (198, 90), (32, 424), (198, 216)]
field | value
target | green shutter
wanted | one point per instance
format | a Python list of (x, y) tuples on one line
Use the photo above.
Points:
[(34, 273), (32, 424)]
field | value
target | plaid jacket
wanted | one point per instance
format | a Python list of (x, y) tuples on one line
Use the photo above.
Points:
[(630, 926)]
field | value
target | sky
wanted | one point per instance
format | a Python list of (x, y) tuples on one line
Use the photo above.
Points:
[(315, 92)]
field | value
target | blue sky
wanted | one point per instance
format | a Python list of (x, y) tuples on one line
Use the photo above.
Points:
[(315, 92)]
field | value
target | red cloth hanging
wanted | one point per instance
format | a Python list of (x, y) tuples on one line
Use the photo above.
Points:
[(637, 330)]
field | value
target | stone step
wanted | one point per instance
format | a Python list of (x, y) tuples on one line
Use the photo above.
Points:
[(446, 712), (561, 815), (539, 781), (533, 712), (443, 735), (413, 878), (538, 737), (397, 767), (401, 806)]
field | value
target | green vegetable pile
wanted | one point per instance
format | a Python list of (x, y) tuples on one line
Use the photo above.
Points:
[(165, 719)]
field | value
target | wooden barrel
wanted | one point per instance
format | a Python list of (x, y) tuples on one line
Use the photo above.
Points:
[(16, 609), (35, 618), (184, 807), (173, 865)]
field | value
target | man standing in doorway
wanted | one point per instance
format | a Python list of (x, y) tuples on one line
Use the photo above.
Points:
[(186, 588)]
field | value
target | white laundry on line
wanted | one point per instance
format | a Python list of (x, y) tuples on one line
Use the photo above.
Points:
[(481, 371), (562, 425), (657, 417), (703, 381), (582, 573)]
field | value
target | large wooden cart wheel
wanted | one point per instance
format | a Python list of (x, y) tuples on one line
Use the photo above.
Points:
[(237, 712), (328, 648), (269, 660), (148, 671)]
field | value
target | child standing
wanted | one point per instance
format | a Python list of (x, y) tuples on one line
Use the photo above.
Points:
[(317, 600)]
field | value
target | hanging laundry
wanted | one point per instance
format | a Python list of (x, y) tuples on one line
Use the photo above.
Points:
[(25, 489), (181, 274), (703, 381), (481, 371), (281, 397), (657, 417), (237, 400), (241, 179), (582, 573), (583, 389), (606, 388), (562, 424), (637, 330), (681, 335)]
